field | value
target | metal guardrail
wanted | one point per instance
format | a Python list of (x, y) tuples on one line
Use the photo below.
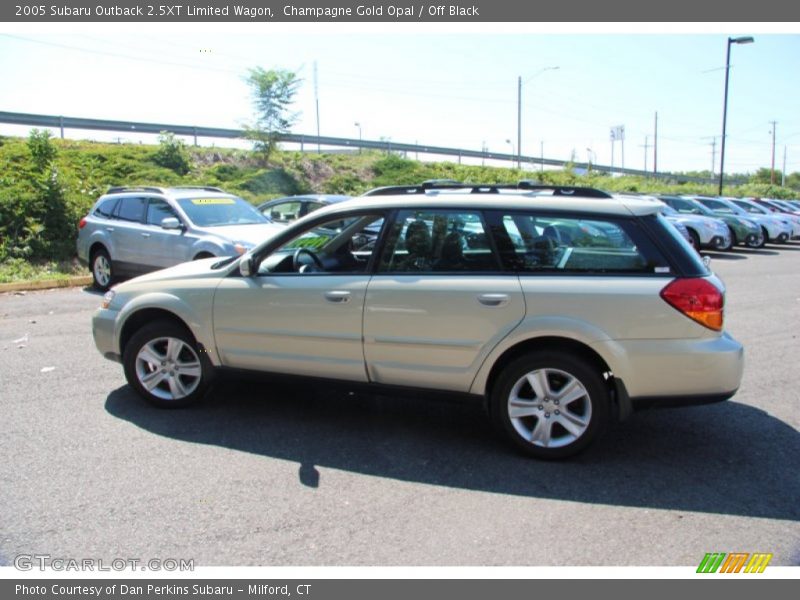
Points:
[(62, 123)]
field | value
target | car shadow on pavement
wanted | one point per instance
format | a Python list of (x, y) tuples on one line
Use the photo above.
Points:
[(730, 255), (787, 246), (758, 251), (726, 458)]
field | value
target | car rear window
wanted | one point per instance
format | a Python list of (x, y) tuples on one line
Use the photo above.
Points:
[(554, 243), (106, 207)]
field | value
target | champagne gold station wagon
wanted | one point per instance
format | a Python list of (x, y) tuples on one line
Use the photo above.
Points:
[(560, 307)]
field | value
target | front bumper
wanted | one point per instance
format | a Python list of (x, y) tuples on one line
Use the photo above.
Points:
[(103, 331)]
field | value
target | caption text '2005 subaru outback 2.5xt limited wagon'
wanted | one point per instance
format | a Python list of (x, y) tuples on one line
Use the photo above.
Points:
[(560, 308)]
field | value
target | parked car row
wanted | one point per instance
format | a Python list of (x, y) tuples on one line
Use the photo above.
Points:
[(559, 308)]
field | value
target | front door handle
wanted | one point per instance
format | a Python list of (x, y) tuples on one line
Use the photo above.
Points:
[(338, 296), (145, 235), (493, 299)]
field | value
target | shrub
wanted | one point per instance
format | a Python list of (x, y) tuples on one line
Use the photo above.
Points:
[(171, 153)]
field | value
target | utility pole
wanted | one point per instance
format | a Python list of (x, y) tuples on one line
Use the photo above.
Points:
[(713, 155), (655, 148), (316, 100), (541, 151), (772, 170), (783, 172), (519, 121), (646, 148)]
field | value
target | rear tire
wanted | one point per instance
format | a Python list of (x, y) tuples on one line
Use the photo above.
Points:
[(102, 269), (730, 245), (765, 237), (734, 239), (695, 239), (550, 404), (165, 365)]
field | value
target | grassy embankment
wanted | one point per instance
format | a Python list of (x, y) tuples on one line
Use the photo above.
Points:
[(45, 189)]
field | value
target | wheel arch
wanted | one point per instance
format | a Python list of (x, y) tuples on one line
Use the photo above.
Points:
[(554, 343), (142, 311), (142, 317), (96, 246)]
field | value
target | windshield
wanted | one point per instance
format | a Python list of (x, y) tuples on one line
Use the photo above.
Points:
[(669, 211), (719, 206), (215, 212), (752, 208), (690, 207)]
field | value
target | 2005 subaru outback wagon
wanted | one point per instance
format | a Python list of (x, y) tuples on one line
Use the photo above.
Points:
[(561, 310)]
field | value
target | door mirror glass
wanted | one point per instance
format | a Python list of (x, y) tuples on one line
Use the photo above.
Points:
[(170, 223), (246, 265)]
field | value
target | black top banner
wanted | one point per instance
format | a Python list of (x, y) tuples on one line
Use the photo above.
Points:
[(400, 11)]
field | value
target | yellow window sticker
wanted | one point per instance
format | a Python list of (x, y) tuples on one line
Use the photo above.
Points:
[(203, 201)]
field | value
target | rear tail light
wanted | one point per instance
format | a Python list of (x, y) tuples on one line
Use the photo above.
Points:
[(698, 299), (82, 223)]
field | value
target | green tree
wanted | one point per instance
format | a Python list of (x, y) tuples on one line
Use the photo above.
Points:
[(272, 93), (171, 153), (763, 175), (43, 152)]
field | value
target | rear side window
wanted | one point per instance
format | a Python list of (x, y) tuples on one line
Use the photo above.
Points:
[(106, 208), (429, 241), (531, 243), (131, 209)]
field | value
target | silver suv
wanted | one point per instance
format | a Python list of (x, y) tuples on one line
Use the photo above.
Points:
[(558, 311), (134, 230)]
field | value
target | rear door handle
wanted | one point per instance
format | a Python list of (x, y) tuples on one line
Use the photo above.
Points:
[(493, 299), (338, 296), (145, 235), (109, 229)]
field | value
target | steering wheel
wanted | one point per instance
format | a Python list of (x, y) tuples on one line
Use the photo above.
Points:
[(298, 266)]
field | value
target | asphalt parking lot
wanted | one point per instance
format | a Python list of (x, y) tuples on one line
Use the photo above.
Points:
[(265, 474)]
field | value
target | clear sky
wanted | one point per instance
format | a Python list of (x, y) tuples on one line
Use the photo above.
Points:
[(435, 85)]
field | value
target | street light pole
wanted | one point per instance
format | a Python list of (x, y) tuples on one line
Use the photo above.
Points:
[(738, 40), (357, 124), (519, 121), (519, 111), (513, 152)]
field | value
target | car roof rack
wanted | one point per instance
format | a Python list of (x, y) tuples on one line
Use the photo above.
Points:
[(205, 188), (489, 188), (119, 189)]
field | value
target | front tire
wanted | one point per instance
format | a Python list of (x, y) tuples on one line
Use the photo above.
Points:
[(550, 404), (166, 366)]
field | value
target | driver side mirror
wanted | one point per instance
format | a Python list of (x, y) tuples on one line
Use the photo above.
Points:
[(170, 223), (246, 266)]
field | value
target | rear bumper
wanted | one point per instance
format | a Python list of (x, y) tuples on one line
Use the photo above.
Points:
[(627, 405), (676, 372)]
